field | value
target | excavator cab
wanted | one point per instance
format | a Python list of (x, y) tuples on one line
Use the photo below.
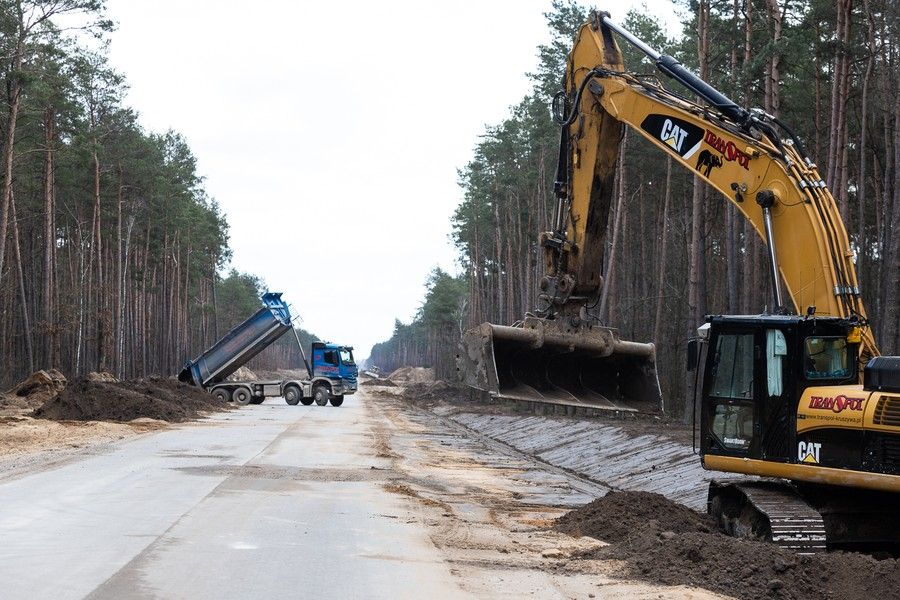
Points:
[(753, 373), (778, 397)]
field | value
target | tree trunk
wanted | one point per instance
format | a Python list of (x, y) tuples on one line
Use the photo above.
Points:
[(774, 75), (663, 258), (498, 265), (49, 320), (892, 266), (23, 297), (14, 97), (697, 269), (605, 311), (862, 260)]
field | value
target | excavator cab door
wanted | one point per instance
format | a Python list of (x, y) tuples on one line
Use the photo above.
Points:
[(750, 388), (729, 415)]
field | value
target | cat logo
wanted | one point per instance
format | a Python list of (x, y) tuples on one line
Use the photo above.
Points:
[(681, 137), (808, 452), (673, 135)]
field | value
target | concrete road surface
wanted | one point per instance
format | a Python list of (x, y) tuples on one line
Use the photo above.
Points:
[(273, 501)]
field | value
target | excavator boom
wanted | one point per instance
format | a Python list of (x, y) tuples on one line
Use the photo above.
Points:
[(562, 353)]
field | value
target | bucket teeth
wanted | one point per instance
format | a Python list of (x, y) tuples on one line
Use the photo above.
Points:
[(542, 362)]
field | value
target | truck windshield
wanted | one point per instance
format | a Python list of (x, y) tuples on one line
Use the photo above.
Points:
[(347, 357)]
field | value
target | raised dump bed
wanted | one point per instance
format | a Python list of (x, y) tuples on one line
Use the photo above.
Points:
[(240, 344)]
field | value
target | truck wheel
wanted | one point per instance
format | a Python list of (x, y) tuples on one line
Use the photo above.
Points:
[(242, 396), (292, 395), (306, 401), (222, 394), (320, 395), (337, 400)]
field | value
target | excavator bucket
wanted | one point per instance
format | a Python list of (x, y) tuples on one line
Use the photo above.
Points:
[(540, 362)]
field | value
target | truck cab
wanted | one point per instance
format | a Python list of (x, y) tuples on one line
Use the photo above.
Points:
[(334, 371)]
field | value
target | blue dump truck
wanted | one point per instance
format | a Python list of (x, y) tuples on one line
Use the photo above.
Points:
[(331, 376)]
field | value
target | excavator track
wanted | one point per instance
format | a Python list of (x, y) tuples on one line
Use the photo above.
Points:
[(768, 510)]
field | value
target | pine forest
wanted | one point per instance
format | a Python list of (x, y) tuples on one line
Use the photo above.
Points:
[(109, 244)]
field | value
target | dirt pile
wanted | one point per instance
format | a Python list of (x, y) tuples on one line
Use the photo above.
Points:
[(34, 391), (407, 375), (433, 390), (292, 374), (613, 517), (154, 397), (242, 374), (667, 543), (277, 375), (102, 377), (379, 382)]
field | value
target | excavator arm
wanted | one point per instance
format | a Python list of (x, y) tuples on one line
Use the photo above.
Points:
[(739, 153), (562, 353)]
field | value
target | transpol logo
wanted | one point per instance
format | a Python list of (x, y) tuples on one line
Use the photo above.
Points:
[(836, 404), (727, 149)]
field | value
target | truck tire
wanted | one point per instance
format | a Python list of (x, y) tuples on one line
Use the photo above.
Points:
[(320, 395), (337, 400), (222, 394), (306, 401), (292, 395), (242, 396)]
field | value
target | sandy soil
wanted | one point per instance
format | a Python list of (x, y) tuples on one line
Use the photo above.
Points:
[(87, 416), (491, 513), (24, 435)]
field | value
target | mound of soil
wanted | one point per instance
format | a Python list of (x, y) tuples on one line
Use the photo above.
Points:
[(379, 382), (37, 389), (615, 516), (242, 374), (432, 390), (665, 542), (154, 398), (406, 375), (101, 376)]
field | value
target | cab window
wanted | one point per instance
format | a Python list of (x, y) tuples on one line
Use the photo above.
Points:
[(732, 424), (346, 356), (331, 357), (733, 374), (826, 358), (731, 410)]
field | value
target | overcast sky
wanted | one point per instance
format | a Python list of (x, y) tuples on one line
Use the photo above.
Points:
[(331, 133)]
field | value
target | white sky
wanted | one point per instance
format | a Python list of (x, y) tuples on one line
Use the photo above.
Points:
[(330, 133)]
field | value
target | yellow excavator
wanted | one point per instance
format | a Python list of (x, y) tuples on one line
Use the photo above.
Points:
[(798, 396)]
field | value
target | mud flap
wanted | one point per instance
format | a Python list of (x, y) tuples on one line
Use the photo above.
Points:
[(542, 361)]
